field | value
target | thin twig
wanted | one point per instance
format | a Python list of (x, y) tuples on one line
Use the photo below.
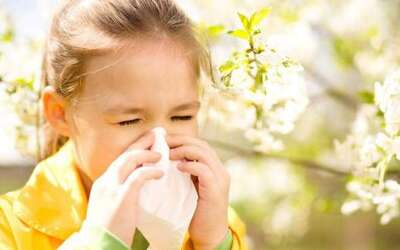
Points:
[(331, 91)]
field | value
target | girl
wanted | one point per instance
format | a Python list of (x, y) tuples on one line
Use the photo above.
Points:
[(113, 70)]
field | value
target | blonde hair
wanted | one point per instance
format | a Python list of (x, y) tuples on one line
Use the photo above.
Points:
[(81, 29)]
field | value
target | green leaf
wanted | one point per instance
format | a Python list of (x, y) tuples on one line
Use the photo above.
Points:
[(215, 30), (226, 80), (259, 16), (7, 36), (345, 50), (260, 49), (240, 33), (12, 89), (245, 21), (366, 97), (24, 82), (210, 31), (227, 67), (380, 114), (256, 32), (259, 77)]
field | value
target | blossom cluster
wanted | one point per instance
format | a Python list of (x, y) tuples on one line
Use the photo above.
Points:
[(371, 149), (19, 74), (265, 92)]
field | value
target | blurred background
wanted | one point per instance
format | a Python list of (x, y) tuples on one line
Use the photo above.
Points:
[(291, 196)]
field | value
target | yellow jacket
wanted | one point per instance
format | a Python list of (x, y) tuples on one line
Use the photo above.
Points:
[(52, 206)]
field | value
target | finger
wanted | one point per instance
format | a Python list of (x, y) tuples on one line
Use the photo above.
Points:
[(145, 141), (176, 140), (189, 152), (179, 140), (201, 171), (137, 178), (203, 178), (129, 161), (195, 153), (137, 160)]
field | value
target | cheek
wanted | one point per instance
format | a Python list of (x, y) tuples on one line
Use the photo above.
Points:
[(99, 149), (195, 126), (94, 156), (98, 142)]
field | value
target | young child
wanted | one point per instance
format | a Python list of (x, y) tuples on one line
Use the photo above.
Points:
[(113, 70)]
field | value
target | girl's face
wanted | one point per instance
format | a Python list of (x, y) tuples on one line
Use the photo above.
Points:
[(152, 84)]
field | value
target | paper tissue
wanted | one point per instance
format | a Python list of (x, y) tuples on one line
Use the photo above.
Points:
[(166, 205)]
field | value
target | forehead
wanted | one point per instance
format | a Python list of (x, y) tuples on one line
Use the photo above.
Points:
[(146, 70)]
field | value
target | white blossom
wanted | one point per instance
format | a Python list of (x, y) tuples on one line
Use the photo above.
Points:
[(369, 150), (263, 140), (19, 60), (387, 97), (279, 101)]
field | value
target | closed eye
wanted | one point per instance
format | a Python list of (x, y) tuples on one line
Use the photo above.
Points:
[(174, 118), (182, 118), (129, 122)]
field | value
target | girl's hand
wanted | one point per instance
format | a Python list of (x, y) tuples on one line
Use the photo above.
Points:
[(114, 195), (209, 224)]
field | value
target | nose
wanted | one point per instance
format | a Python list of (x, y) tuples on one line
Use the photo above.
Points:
[(172, 127), (162, 125)]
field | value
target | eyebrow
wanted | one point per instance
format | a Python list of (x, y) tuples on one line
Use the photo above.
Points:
[(120, 109)]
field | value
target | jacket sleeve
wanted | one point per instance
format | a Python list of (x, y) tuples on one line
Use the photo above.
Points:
[(15, 235), (236, 240), (238, 229), (92, 237), (226, 244)]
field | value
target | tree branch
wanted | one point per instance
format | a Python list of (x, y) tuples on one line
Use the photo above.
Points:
[(307, 163), (332, 92), (394, 174)]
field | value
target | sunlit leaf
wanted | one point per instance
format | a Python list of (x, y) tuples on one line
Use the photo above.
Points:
[(259, 16), (7, 36), (239, 34), (245, 21), (366, 97), (215, 30), (227, 67), (24, 82), (210, 31), (345, 50)]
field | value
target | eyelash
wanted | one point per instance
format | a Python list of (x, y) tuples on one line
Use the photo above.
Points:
[(127, 123), (180, 118)]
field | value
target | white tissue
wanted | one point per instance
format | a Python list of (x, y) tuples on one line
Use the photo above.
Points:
[(166, 205)]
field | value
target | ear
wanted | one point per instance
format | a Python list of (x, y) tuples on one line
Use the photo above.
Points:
[(54, 107)]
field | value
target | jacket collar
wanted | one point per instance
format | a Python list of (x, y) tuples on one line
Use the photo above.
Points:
[(53, 201)]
